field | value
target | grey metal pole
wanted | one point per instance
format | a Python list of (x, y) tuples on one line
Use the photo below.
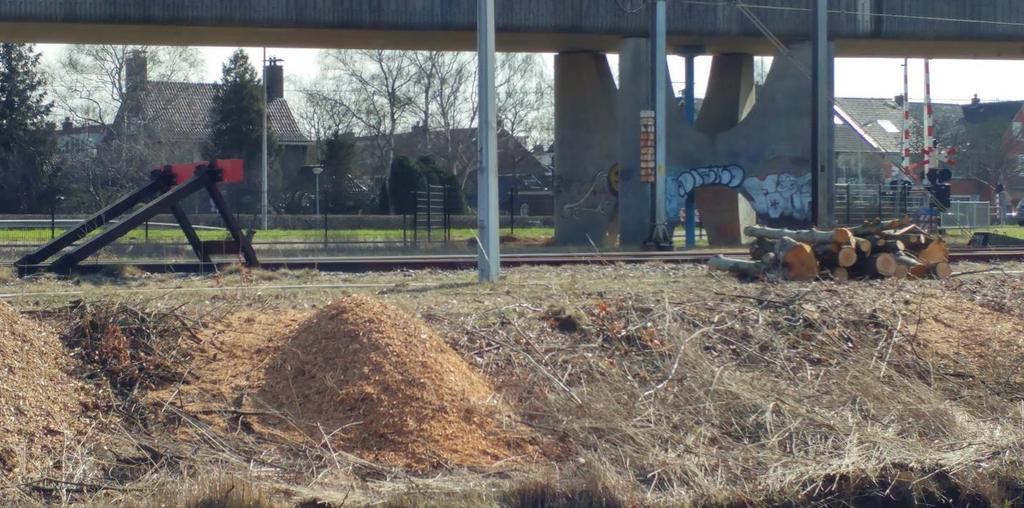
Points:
[(691, 118), (317, 194), (487, 178), (265, 207), (659, 232), (823, 162)]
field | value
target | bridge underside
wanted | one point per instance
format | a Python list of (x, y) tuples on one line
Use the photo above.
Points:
[(898, 28), (323, 38)]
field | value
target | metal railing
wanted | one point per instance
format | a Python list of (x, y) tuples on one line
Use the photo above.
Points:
[(967, 215), (857, 203), (433, 215)]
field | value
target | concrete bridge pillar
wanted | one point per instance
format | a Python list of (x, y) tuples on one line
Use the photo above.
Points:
[(586, 128), (731, 95), (634, 97)]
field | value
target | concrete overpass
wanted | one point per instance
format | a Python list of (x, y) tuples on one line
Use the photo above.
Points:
[(916, 28)]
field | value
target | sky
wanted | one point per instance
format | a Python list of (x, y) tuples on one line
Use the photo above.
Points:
[(952, 80)]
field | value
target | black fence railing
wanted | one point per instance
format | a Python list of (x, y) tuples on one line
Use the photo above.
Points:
[(433, 214), (856, 203)]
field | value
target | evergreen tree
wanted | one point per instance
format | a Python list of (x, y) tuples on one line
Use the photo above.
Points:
[(436, 175), (406, 180), (384, 199), (28, 181), (336, 155), (237, 127)]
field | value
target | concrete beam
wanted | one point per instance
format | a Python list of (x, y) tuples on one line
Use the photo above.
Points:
[(911, 28)]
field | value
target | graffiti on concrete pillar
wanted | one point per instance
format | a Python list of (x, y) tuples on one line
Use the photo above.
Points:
[(681, 185), (594, 201), (781, 196), (777, 196)]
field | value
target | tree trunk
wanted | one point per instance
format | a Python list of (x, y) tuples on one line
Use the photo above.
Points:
[(864, 246), (753, 269), (798, 260), (832, 256), (936, 252), (811, 236), (878, 265)]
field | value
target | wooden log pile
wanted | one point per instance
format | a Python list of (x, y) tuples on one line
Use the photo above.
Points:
[(875, 250)]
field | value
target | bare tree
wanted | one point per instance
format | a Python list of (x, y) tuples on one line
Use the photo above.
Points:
[(374, 88), (454, 105), (90, 85), (525, 100), (379, 94), (320, 115)]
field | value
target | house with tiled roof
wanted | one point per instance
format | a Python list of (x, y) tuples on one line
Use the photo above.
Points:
[(179, 116), (868, 138)]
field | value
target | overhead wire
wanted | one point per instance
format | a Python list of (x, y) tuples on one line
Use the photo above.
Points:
[(627, 6)]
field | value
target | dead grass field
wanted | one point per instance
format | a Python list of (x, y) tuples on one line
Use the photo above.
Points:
[(648, 385)]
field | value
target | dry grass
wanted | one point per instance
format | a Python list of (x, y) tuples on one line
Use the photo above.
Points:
[(7, 275), (662, 386)]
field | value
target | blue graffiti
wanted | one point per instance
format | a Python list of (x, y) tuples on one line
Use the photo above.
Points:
[(686, 182)]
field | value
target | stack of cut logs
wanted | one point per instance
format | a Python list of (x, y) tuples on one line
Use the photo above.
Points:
[(877, 249)]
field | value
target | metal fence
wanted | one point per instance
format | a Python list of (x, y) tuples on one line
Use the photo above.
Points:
[(856, 204), (433, 215), (968, 214)]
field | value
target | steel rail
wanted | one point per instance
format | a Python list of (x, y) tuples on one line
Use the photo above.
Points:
[(360, 264)]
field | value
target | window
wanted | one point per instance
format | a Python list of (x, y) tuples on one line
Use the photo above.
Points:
[(888, 126)]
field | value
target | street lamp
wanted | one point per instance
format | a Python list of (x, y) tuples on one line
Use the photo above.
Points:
[(317, 171), (53, 215)]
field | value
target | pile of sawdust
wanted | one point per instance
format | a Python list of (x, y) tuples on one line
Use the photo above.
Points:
[(41, 406), (379, 382), (970, 338)]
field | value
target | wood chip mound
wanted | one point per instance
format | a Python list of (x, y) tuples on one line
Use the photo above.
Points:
[(41, 406), (379, 382)]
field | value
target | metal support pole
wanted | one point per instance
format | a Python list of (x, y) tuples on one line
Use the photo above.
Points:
[(659, 237), (265, 207), (317, 194), (512, 210), (823, 163), (691, 119), (849, 222), (488, 202)]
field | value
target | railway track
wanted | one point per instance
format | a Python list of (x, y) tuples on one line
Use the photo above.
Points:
[(360, 264)]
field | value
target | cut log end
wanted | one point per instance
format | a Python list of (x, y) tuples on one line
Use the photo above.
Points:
[(882, 265), (902, 272), (847, 257), (942, 271), (864, 246), (800, 263)]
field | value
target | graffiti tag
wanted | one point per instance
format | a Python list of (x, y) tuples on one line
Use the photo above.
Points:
[(781, 196)]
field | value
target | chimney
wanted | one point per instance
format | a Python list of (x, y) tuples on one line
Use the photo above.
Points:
[(136, 71), (900, 99), (67, 124), (275, 79), (976, 100), (136, 75)]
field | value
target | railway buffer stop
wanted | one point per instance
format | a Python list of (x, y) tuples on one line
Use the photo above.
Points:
[(165, 191)]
